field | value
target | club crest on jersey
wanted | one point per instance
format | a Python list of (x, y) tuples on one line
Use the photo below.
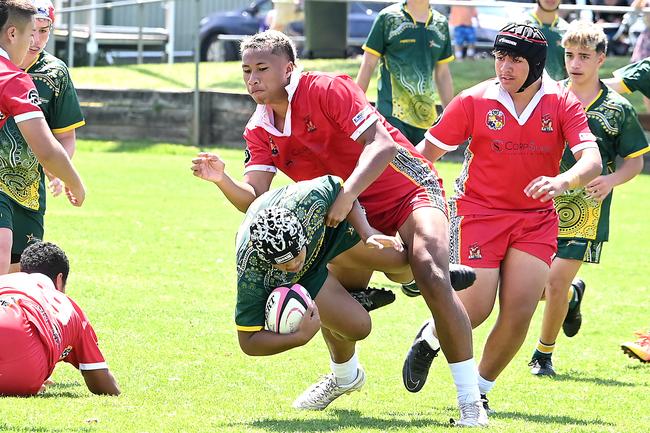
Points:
[(309, 124), (475, 252), (495, 119), (547, 123)]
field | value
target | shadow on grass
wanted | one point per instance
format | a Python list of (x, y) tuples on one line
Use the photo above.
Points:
[(549, 419), (340, 419), (577, 377), (29, 429)]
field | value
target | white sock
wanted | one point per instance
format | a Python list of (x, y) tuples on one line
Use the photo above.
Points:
[(466, 379), (484, 385), (458, 54), (346, 372), (429, 337)]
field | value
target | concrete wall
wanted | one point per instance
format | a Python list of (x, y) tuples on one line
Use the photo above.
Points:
[(164, 116), (167, 117)]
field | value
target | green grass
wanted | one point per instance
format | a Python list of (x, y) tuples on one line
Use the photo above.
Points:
[(227, 76), (152, 263)]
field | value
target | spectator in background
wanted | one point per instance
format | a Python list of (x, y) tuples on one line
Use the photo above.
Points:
[(411, 42), (642, 45), (283, 13), (609, 17), (462, 19), (545, 17)]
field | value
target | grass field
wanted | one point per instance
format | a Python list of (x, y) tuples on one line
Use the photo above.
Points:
[(152, 264), (227, 76)]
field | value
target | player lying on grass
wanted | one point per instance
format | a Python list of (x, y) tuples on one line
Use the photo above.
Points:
[(40, 326), (311, 124), (283, 240)]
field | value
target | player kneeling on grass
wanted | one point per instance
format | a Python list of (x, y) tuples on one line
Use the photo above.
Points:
[(40, 326), (283, 241)]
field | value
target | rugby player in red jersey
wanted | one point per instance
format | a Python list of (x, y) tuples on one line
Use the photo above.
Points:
[(503, 222)]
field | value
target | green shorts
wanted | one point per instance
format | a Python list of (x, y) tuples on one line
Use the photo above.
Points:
[(26, 225), (336, 241), (413, 133), (579, 249)]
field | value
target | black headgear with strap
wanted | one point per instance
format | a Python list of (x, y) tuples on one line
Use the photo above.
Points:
[(523, 40)]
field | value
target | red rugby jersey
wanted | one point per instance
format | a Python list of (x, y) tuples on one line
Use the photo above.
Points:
[(326, 114), (18, 96), (507, 150), (62, 326)]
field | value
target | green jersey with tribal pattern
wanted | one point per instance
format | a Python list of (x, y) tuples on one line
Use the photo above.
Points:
[(555, 54), (257, 278), (21, 176), (636, 77), (409, 52), (614, 122)]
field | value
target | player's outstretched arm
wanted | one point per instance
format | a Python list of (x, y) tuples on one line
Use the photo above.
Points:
[(100, 382), (264, 343), (53, 157), (378, 151), (371, 237), (368, 64), (588, 166), (210, 167)]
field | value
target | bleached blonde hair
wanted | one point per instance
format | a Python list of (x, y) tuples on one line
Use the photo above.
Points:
[(585, 35)]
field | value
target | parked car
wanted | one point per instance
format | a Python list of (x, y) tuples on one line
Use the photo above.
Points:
[(216, 45)]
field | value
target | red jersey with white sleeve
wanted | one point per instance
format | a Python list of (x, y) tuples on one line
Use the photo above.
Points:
[(62, 326), (327, 113), (18, 96), (508, 150)]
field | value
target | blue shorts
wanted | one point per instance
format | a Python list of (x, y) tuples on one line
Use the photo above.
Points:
[(464, 35)]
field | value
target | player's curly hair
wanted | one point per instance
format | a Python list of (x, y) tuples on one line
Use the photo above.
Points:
[(272, 40), (277, 234), (45, 258), (15, 12)]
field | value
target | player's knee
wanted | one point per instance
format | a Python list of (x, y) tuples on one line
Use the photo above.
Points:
[(556, 288)]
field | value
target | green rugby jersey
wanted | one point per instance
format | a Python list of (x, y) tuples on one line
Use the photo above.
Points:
[(257, 278), (21, 176), (636, 76), (409, 52), (613, 121), (553, 33)]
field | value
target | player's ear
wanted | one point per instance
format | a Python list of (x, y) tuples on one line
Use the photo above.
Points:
[(290, 68), (58, 282)]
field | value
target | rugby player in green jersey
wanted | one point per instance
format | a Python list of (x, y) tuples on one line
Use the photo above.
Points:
[(584, 212)]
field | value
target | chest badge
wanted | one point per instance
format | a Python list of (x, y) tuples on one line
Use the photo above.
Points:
[(547, 123), (309, 124), (495, 119)]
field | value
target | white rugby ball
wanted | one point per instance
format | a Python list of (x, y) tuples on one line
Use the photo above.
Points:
[(285, 308)]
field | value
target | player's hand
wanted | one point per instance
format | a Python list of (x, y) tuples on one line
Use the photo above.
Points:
[(599, 188), (339, 209), (310, 323), (76, 196), (55, 186), (381, 241), (208, 166), (544, 188)]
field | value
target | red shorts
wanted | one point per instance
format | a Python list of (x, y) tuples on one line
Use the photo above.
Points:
[(419, 187), (23, 359), (482, 241)]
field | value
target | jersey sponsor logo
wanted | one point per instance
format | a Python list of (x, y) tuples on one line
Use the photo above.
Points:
[(361, 116), (475, 252), (247, 156), (495, 119), (33, 97), (519, 148), (407, 41), (547, 123), (309, 124)]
